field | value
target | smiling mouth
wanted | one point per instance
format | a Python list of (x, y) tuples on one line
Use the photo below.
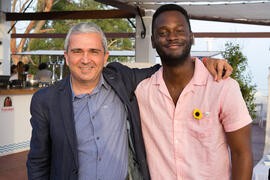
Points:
[(89, 66), (175, 45), (86, 68)]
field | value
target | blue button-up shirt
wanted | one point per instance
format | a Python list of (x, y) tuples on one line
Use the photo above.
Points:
[(100, 123)]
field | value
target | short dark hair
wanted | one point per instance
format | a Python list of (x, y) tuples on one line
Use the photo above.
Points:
[(42, 66), (170, 7), (20, 64), (13, 68)]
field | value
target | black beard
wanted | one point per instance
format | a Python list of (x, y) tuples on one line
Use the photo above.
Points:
[(170, 60)]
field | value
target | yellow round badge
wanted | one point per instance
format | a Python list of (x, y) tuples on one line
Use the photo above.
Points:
[(197, 114)]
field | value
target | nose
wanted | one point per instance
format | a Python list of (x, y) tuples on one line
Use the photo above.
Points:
[(172, 36), (85, 58)]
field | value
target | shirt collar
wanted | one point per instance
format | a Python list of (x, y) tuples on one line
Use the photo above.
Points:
[(200, 75), (101, 83)]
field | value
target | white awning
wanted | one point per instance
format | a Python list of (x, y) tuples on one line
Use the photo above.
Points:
[(248, 10)]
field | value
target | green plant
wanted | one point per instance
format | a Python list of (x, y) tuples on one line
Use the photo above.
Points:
[(239, 64)]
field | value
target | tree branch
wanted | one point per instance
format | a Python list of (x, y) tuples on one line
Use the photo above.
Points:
[(14, 5), (23, 6), (46, 30), (112, 42), (36, 25)]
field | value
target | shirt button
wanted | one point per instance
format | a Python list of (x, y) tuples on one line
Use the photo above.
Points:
[(93, 117), (97, 138), (176, 141), (99, 158)]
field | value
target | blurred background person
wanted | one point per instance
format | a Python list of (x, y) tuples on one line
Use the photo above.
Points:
[(13, 72), (16, 77), (26, 72), (43, 74), (17, 71), (20, 68)]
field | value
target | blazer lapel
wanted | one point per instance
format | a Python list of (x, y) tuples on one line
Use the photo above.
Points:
[(66, 109)]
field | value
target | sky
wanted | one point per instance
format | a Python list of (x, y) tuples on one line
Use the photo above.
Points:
[(257, 50)]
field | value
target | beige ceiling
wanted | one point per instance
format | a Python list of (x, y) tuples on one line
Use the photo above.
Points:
[(254, 11)]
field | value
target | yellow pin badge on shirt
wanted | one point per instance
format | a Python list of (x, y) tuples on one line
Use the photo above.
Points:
[(197, 114)]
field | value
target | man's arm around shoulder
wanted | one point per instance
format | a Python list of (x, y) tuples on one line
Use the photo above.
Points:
[(132, 75)]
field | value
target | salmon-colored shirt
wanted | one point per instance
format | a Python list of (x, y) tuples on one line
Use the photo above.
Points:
[(179, 146)]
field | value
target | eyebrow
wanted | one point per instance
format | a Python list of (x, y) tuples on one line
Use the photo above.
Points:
[(74, 49), (89, 50), (164, 27)]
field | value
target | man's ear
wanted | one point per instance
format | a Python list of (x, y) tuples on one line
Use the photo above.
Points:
[(66, 58), (106, 56), (192, 38), (153, 42)]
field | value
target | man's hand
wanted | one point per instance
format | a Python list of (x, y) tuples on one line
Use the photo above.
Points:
[(216, 67)]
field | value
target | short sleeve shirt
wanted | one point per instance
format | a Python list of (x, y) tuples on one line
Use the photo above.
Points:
[(178, 145)]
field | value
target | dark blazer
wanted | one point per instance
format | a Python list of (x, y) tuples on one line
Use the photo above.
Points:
[(53, 147)]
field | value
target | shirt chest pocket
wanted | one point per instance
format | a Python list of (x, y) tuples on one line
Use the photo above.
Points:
[(202, 126)]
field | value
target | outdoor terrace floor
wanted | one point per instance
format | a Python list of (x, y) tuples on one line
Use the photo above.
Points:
[(12, 167)]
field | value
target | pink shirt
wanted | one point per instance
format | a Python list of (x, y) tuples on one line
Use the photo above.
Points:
[(178, 146)]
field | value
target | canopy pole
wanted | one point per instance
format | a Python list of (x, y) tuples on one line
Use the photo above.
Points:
[(143, 50)]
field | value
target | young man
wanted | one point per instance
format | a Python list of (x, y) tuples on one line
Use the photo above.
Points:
[(188, 119), (87, 126)]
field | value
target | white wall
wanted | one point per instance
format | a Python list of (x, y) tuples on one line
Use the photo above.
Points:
[(4, 38), (15, 128)]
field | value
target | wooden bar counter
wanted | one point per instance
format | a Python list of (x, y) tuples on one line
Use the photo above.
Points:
[(18, 91)]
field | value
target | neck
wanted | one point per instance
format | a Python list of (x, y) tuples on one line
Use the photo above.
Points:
[(83, 87), (177, 77)]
